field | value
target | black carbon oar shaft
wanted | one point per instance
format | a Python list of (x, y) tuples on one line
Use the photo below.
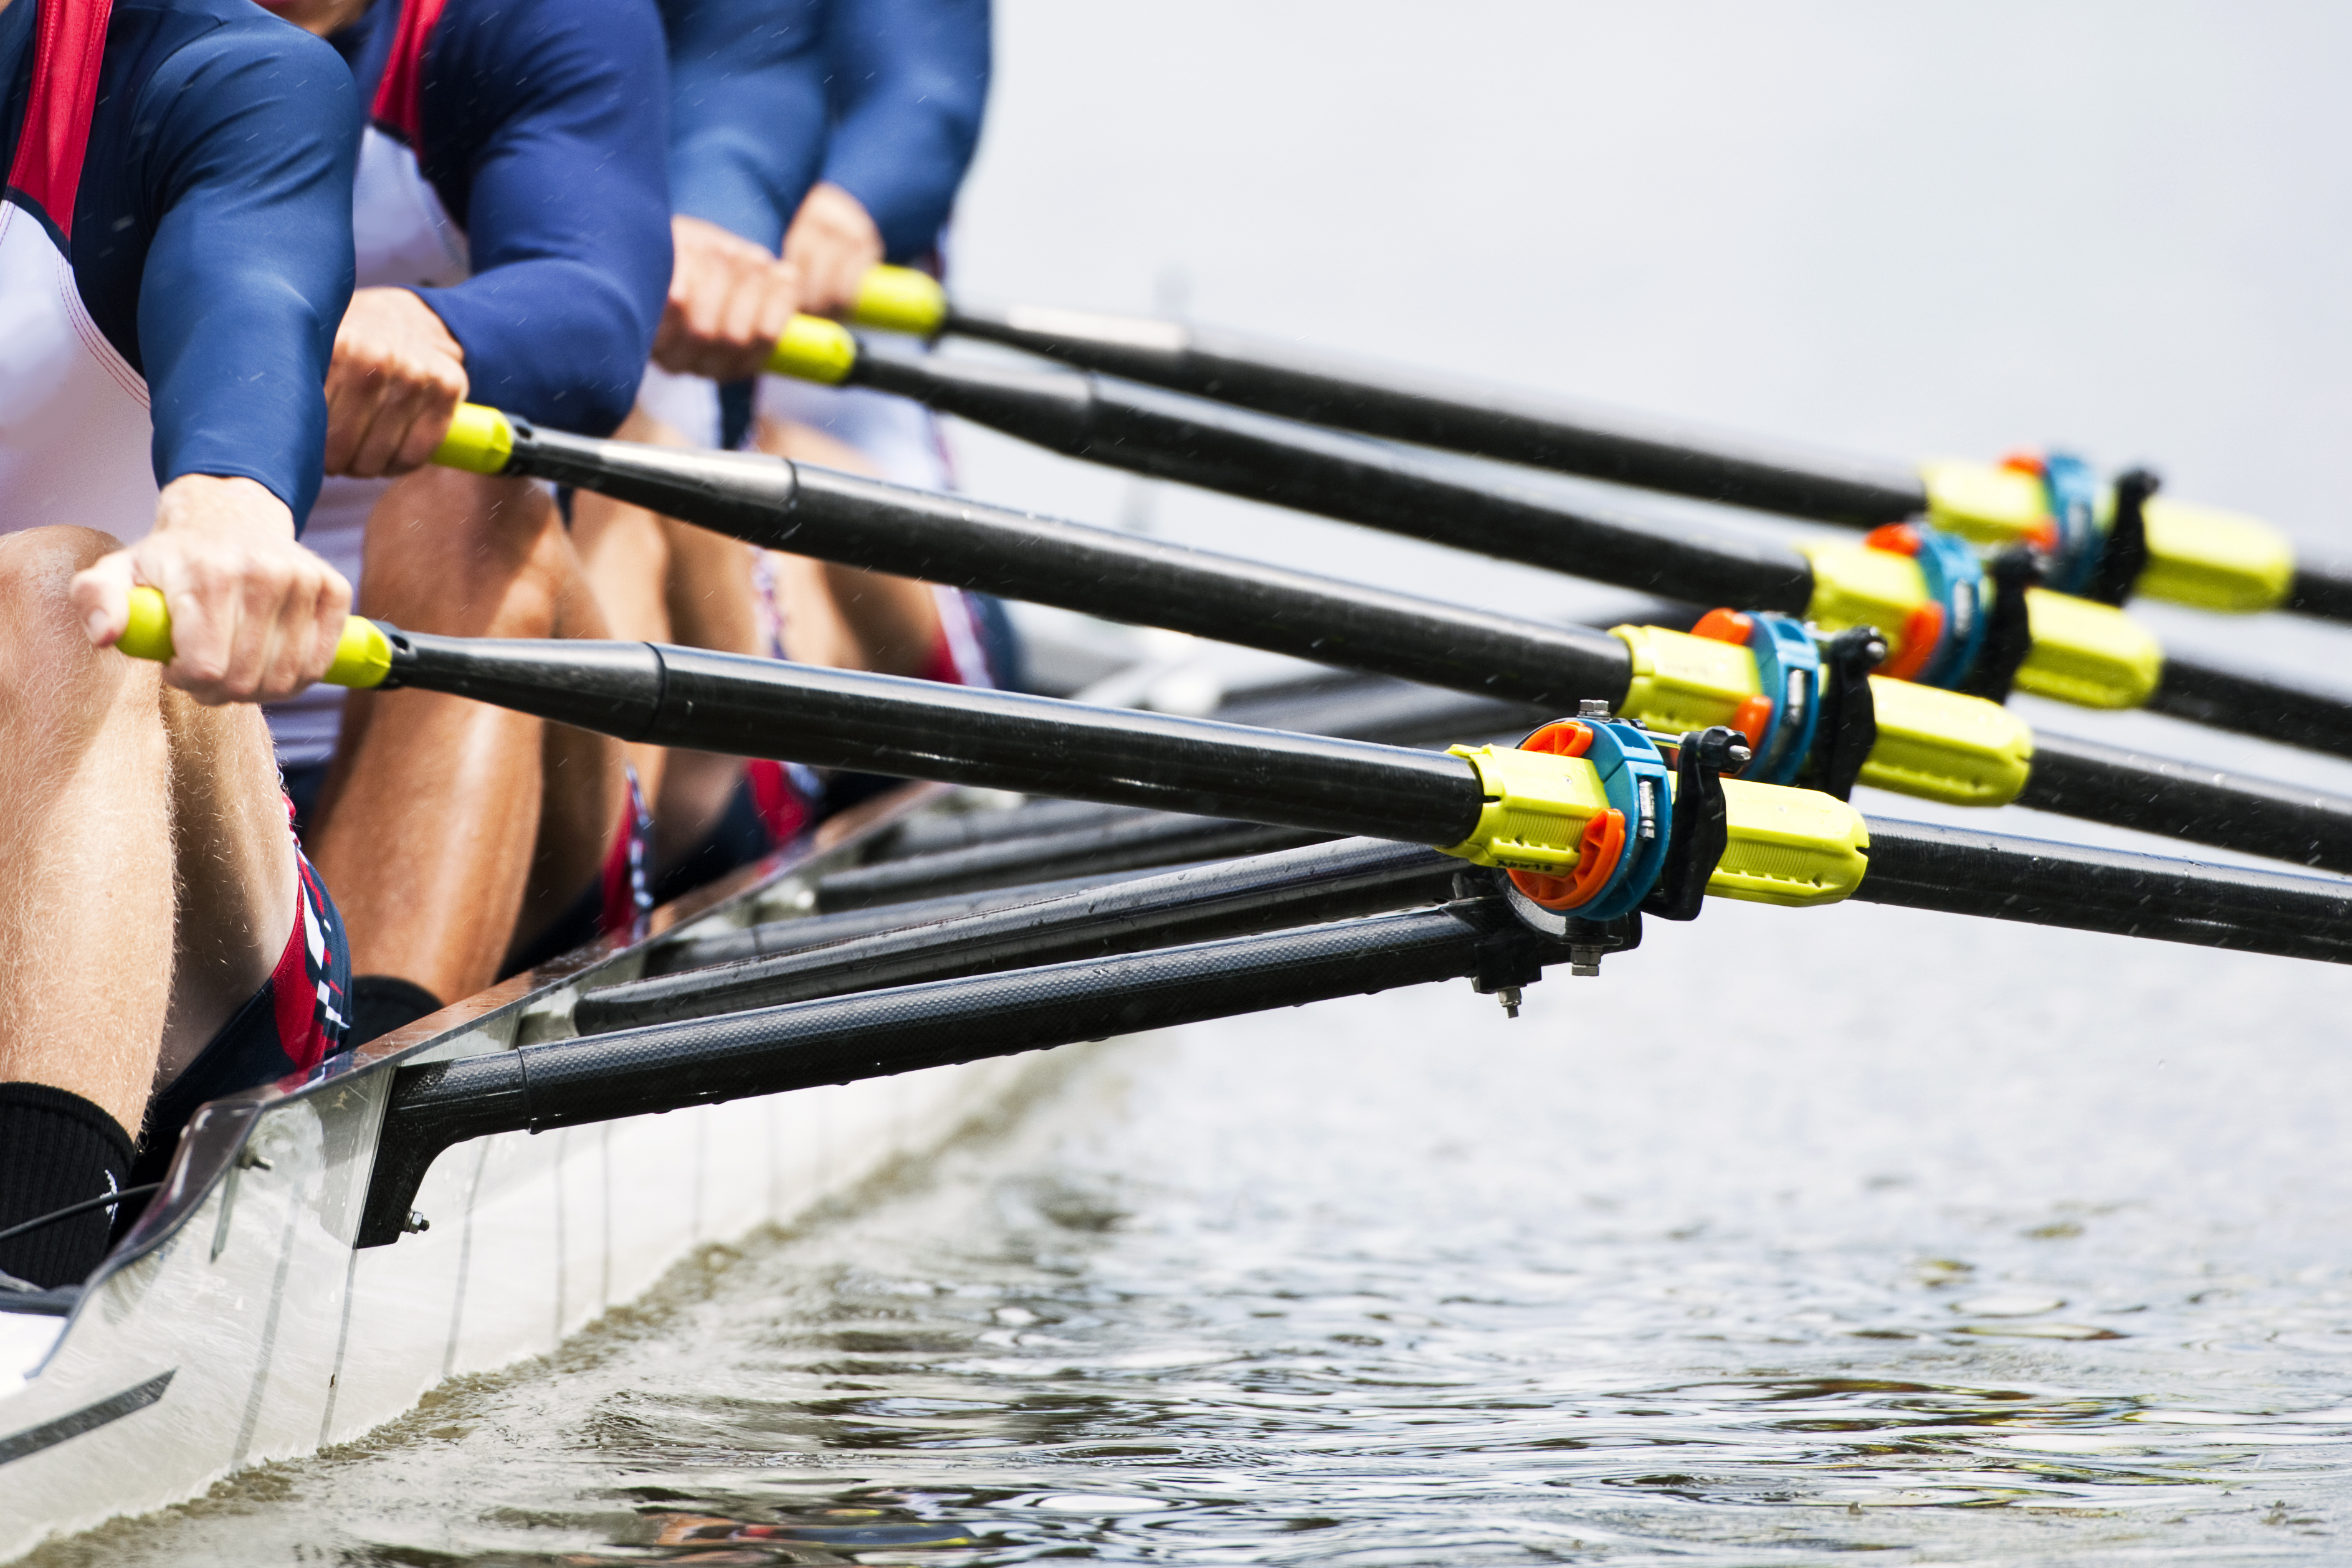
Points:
[(1149, 839), (1338, 476), (2316, 590), (1402, 406), (2001, 877), (843, 1038), (1312, 471), (1296, 887), (1215, 448), (957, 735), (2183, 800), (773, 936), (2070, 776), (863, 522), (876, 1035), (2259, 705), (942, 539)]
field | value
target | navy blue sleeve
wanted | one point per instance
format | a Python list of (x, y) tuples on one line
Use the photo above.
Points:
[(747, 110), (546, 126), (909, 80), (237, 160)]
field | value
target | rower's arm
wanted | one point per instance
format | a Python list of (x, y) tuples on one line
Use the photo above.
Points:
[(565, 200), (909, 82), (746, 111), (249, 164)]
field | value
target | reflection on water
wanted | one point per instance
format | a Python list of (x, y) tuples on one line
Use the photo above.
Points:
[(1395, 1281)]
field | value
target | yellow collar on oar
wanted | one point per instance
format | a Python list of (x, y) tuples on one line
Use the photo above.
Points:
[(1785, 846), (363, 654)]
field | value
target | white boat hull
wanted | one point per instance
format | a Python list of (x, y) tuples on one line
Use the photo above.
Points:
[(257, 1331)]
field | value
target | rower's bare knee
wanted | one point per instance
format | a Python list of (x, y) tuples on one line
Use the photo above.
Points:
[(37, 565), (464, 554), (51, 675)]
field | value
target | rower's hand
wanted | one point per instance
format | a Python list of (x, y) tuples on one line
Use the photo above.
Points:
[(395, 382), (834, 244), (729, 300), (254, 616)]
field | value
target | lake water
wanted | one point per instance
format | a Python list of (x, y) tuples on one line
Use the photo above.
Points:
[(1796, 1234)]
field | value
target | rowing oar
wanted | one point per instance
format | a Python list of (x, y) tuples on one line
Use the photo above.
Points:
[(1144, 839), (1897, 735), (842, 1039), (1994, 876), (1950, 620), (2163, 548), (1583, 813), (1589, 821)]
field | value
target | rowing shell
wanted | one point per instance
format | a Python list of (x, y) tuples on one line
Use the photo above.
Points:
[(238, 1323)]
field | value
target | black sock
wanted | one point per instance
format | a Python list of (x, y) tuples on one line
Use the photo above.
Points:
[(56, 1149), (382, 1003)]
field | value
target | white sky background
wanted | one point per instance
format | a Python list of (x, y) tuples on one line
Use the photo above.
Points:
[(1890, 229)]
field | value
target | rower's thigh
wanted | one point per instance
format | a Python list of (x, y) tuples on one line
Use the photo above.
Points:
[(232, 849), (462, 554), (713, 592), (86, 877)]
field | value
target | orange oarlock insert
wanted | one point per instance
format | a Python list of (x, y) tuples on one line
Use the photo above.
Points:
[(1597, 855), (1902, 539), (1599, 849), (1725, 626), (1921, 633), (2043, 534), (1560, 738), (1753, 717)]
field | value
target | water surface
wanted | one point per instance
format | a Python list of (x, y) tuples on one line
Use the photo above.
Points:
[(1699, 1263)]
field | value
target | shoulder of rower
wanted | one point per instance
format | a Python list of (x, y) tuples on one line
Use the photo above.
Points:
[(462, 76), (177, 108)]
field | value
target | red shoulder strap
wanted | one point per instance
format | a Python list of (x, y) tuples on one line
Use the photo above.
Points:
[(68, 46), (400, 92)]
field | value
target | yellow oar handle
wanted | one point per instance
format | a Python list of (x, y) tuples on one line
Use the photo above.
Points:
[(890, 300), (900, 300), (480, 441), (363, 654), (815, 350)]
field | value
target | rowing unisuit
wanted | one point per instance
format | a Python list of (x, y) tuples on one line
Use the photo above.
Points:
[(455, 198), (87, 260), (173, 257), (511, 229)]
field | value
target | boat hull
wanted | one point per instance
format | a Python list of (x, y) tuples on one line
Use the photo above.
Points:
[(253, 1329)]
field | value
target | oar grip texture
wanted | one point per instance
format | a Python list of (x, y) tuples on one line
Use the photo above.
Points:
[(480, 441), (1790, 847), (363, 654), (900, 300), (815, 350)]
